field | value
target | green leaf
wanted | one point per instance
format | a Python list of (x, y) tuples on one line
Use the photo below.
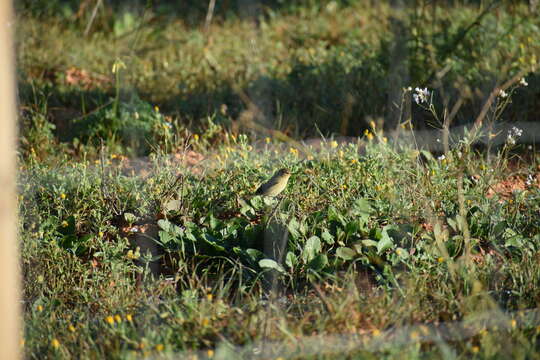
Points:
[(214, 223), (362, 207), (209, 239), (311, 249), (385, 242), (165, 225), (271, 264), (369, 242), (293, 228), (498, 230), (171, 228), (327, 237), (165, 237), (290, 259), (172, 205), (130, 218), (427, 154), (318, 263), (254, 254), (345, 253)]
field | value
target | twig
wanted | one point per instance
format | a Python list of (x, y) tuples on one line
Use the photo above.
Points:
[(92, 17), (209, 15)]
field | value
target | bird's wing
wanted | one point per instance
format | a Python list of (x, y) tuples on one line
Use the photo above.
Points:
[(273, 181)]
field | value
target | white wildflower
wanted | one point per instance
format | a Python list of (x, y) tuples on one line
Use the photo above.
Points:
[(503, 94), (513, 134), (441, 158), (530, 180), (523, 82), (421, 95)]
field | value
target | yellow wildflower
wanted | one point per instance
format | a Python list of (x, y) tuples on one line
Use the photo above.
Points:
[(376, 332), (195, 137), (440, 259), (415, 335), (513, 323), (159, 347), (129, 318), (372, 124), (209, 297), (55, 343), (205, 322), (333, 144), (39, 308), (267, 140), (71, 328), (131, 255), (65, 223), (475, 349), (368, 134), (117, 318), (210, 353), (110, 320), (293, 151), (62, 196), (156, 108)]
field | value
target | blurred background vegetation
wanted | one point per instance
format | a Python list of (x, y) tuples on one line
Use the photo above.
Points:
[(97, 69)]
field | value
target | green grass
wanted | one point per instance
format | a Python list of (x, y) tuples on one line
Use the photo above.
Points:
[(358, 255), (156, 137)]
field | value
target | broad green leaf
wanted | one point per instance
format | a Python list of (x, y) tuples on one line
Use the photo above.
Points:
[(130, 218), (290, 259), (172, 205), (213, 242), (254, 254), (362, 207), (165, 225), (369, 242), (498, 230), (385, 242), (311, 249), (171, 228), (271, 264), (293, 228), (327, 237), (213, 222), (345, 253), (165, 237), (318, 263)]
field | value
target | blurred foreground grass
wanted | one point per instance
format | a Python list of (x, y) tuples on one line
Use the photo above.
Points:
[(368, 236)]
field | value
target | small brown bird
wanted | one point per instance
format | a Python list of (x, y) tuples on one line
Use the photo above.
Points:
[(275, 185)]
